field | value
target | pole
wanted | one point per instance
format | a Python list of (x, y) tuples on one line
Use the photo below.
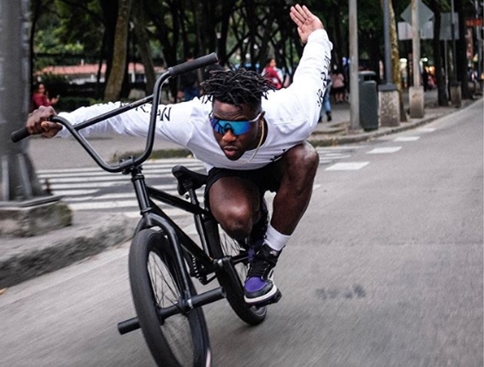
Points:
[(17, 177), (386, 31), (415, 44), (388, 98), (479, 45), (455, 87), (354, 61), (416, 92), (25, 209), (452, 29)]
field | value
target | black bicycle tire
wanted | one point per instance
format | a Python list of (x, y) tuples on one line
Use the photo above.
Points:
[(148, 242), (252, 315)]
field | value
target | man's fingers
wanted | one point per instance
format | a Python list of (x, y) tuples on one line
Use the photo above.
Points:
[(50, 126), (297, 14), (306, 12)]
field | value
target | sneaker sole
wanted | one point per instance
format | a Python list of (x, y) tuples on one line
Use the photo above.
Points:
[(263, 298)]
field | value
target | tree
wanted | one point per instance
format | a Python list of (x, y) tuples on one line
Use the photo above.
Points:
[(118, 69), (442, 97), (143, 45), (461, 49), (395, 59)]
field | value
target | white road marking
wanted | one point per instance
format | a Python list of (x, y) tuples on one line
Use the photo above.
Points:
[(74, 192), (336, 155), (347, 166), (407, 138), (92, 185), (426, 129), (384, 150)]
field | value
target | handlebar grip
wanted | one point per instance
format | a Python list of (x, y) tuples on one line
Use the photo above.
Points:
[(19, 134), (193, 64)]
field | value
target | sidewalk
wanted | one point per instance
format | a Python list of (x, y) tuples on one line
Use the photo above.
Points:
[(337, 131), (92, 232)]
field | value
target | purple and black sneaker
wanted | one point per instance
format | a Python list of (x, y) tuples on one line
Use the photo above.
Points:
[(259, 286)]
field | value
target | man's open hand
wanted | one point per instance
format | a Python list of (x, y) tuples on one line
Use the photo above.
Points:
[(306, 21)]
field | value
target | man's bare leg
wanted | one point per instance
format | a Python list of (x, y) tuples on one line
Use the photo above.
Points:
[(300, 165)]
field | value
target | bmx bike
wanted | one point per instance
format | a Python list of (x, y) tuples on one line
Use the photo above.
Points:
[(164, 260)]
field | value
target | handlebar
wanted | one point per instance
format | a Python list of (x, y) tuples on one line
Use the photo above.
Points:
[(193, 64), (19, 134), (173, 71)]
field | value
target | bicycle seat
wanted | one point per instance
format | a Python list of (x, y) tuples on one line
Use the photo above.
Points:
[(188, 179)]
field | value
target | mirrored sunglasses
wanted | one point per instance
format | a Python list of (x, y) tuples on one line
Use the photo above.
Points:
[(238, 127)]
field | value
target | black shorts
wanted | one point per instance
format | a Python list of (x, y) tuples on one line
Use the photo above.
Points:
[(267, 178)]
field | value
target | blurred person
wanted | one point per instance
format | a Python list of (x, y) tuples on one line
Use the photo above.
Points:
[(40, 97), (338, 86), (327, 100), (270, 73)]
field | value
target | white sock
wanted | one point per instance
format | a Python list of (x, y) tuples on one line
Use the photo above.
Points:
[(276, 240)]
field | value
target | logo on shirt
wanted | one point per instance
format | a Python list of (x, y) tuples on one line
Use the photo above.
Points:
[(163, 112), (320, 96), (277, 157)]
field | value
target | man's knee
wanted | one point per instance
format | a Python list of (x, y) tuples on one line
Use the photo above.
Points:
[(303, 158), (236, 221)]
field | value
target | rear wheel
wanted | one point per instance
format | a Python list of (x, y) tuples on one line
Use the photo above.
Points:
[(234, 290), (180, 340)]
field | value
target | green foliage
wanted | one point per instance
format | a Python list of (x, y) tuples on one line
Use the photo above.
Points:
[(240, 31), (68, 104)]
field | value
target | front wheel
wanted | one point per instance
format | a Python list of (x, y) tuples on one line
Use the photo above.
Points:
[(156, 279)]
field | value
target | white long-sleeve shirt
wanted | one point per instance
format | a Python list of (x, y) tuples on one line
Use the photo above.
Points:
[(291, 115)]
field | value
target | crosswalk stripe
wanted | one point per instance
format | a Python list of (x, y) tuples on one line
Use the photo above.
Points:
[(347, 166), (148, 171), (407, 138), (426, 129), (92, 185), (384, 150), (81, 187), (74, 192), (147, 166)]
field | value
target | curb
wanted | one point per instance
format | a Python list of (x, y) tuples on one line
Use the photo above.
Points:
[(358, 138), (26, 258)]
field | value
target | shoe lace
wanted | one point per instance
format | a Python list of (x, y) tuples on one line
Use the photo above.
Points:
[(260, 267)]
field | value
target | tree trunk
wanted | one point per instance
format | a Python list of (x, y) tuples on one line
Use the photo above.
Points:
[(116, 76), (461, 58), (397, 77), (144, 46), (443, 99)]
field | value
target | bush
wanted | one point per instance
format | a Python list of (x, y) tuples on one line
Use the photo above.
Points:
[(69, 104)]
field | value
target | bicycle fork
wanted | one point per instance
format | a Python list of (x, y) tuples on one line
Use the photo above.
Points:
[(188, 301)]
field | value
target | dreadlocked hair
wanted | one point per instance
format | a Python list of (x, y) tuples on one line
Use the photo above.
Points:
[(237, 87)]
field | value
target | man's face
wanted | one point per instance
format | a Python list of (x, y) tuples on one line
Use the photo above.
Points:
[(232, 144)]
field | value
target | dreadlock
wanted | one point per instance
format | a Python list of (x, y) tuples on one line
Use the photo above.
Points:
[(237, 87)]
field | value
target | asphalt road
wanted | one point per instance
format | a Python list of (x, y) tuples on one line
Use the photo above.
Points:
[(386, 269)]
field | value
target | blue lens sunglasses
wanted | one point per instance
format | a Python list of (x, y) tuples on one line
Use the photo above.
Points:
[(238, 127)]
